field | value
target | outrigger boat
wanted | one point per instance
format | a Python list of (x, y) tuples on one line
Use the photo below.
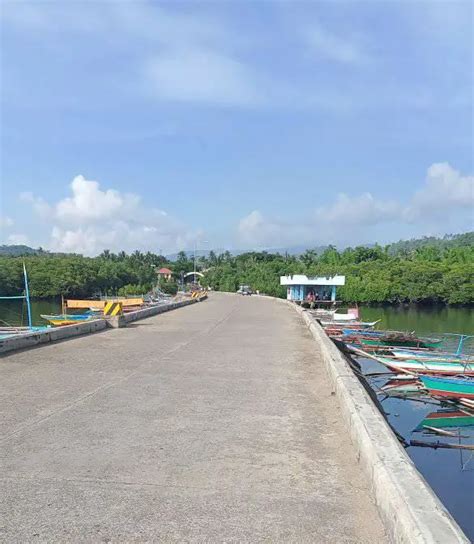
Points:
[(454, 388), (333, 315), (357, 325), (430, 355), (60, 320), (389, 340), (68, 319), (406, 386), (362, 332), (413, 366), (447, 418), (439, 355)]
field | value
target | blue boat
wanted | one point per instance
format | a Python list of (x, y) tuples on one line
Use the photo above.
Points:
[(69, 319), (365, 332)]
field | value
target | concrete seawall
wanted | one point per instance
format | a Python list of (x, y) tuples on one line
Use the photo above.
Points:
[(409, 508), (55, 334), (26, 341)]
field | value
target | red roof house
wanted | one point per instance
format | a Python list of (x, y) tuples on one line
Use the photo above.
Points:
[(165, 273)]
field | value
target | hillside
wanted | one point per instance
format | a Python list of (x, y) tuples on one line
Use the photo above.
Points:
[(18, 250)]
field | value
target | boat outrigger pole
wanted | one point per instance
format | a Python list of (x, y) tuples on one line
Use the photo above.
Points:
[(27, 296), (462, 338)]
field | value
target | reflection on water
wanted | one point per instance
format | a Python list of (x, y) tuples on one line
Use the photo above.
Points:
[(450, 472), (422, 319), (13, 312)]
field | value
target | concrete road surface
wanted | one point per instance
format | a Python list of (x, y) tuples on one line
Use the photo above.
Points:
[(212, 423)]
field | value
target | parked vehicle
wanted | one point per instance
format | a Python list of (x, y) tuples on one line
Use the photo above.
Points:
[(244, 290)]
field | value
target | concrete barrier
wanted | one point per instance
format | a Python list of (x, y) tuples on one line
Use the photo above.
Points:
[(25, 341), (155, 310), (55, 334), (409, 508)]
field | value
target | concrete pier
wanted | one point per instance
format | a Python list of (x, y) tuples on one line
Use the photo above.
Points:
[(212, 423)]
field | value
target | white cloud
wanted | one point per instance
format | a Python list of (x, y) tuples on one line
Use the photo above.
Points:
[(89, 203), (255, 229), (445, 202), (5, 221), (201, 75), (330, 46), (18, 240), (445, 190), (360, 210), (93, 219), (40, 206), (168, 53)]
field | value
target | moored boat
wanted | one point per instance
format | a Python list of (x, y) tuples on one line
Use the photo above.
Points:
[(355, 325), (68, 319), (402, 387), (430, 355), (362, 332), (454, 388), (428, 366), (401, 340), (447, 418)]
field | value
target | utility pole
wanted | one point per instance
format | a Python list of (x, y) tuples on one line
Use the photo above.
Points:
[(195, 247)]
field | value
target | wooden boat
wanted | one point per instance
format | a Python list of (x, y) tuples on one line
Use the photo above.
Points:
[(454, 388), (333, 315), (355, 324), (447, 418), (401, 340), (432, 355), (68, 319), (410, 387), (416, 367), (362, 332)]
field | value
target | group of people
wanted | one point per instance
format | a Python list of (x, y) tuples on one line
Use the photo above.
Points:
[(313, 296)]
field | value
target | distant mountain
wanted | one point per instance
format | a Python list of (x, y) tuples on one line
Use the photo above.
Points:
[(448, 240), (17, 250), (402, 246), (293, 250), (297, 250)]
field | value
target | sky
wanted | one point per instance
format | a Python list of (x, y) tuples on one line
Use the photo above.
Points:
[(240, 125)]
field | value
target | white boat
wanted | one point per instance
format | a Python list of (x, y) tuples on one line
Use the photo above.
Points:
[(351, 315)]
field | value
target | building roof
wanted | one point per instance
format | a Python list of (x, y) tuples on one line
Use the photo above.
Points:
[(164, 271), (301, 279)]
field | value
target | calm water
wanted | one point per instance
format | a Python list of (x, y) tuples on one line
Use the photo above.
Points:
[(449, 472), (13, 312), (422, 319)]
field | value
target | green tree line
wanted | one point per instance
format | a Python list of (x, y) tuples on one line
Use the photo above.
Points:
[(71, 275), (428, 271)]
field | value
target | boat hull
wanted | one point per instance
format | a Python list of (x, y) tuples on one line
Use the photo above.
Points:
[(407, 354), (449, 387), (441, 420), (377, 342), (428, 367), (61, 320)]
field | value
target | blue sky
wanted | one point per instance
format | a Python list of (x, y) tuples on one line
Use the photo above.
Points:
[(153, 125)]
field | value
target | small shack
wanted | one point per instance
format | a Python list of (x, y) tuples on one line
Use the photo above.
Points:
[(164, 273), (320, 289)]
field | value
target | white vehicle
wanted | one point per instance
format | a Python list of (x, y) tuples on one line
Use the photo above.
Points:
[(244, 290)]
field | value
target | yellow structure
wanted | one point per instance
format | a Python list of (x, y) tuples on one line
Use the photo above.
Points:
[(100, 304), (113, 308)]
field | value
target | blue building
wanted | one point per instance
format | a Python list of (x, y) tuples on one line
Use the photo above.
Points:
[(319, 289)]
